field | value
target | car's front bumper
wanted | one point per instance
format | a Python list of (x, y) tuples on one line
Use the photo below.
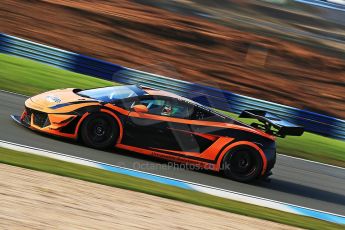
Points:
[(56, 124)]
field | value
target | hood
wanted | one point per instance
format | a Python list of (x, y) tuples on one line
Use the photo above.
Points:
[(59, 96), (51, 101)]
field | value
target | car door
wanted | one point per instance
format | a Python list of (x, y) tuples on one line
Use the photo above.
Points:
[(184, 137), (149, 129), (167, 125)]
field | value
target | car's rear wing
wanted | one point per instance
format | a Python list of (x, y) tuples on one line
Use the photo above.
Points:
[(272, 124)]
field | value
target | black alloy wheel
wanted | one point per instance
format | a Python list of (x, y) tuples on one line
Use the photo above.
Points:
[(99, 131), (242, 164)]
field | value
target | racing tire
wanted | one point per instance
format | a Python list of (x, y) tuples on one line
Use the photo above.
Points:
[(99, 131), (243, 164)]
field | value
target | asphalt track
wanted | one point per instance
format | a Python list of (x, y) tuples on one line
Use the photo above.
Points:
[(294, 181)]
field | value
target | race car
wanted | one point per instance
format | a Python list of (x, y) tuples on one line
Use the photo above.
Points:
[(160, 124)]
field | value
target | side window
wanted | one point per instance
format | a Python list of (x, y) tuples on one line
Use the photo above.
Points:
[(181, 110), (202, 114), (164, 107), (156, 106)]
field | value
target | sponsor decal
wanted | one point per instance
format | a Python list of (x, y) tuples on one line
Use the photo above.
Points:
[(52, 98)]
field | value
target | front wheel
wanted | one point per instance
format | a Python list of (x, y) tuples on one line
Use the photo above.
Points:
[(99, 131), (242, 164)]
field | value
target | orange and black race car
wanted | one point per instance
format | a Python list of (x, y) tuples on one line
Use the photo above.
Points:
[(160, 124)]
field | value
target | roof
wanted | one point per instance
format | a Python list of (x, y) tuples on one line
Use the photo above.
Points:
[(155, 92), (162, 93)]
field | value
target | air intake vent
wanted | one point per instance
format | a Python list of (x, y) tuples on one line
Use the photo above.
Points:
[(40, 119)]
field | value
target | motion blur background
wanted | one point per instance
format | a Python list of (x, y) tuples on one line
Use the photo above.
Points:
[(287, 51), (283, 51)]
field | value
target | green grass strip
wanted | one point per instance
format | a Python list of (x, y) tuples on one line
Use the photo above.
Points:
[(29, 77), (131, 183)]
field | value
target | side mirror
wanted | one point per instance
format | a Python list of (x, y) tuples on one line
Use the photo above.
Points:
[(140, 108)]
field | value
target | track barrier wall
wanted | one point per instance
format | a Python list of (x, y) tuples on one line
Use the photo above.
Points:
[(210, 96)]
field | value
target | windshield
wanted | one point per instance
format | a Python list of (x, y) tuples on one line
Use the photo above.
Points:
[(109, 94)]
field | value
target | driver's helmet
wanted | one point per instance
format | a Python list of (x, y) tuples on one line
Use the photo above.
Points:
[(166, 111)]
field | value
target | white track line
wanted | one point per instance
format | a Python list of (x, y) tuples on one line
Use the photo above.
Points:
[(9, 92), (315, 162), (299, 210)]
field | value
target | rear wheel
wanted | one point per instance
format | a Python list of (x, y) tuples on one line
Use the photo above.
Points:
[(242, 164), (99, 131)]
